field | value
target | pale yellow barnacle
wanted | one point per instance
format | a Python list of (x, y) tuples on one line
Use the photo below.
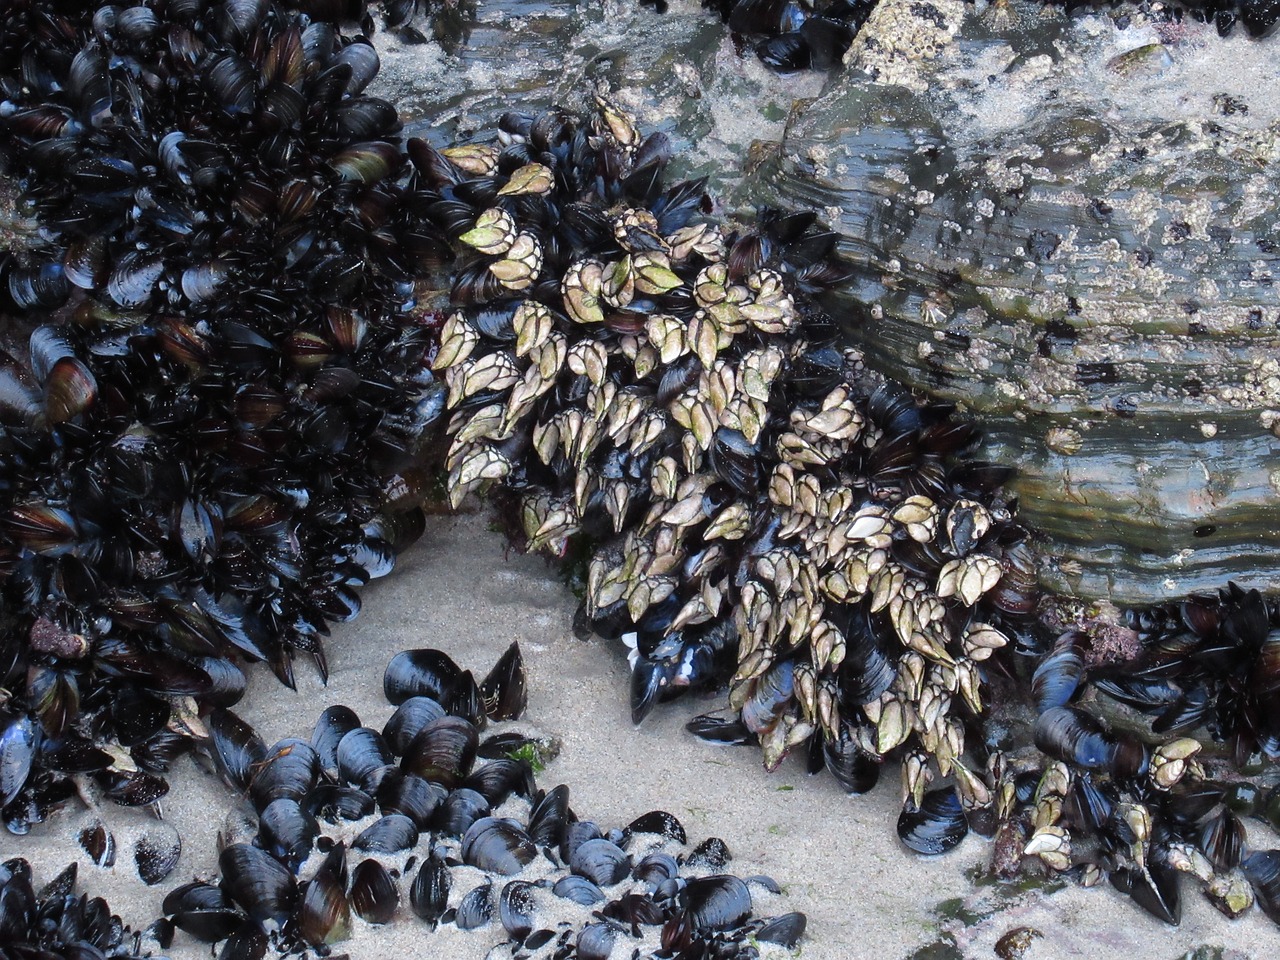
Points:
[(458, 337), (772, 310), (667, 334), (1169, 761), (704, 239), (532, 323), (494, 371), (709, 286), (532, 178), (981, 640), (836, 419), (549, 358), (652, 272), (588, 358), (480, 462), (521, 265), (617, 283), (636, 229), (618, 123), (969, 577), (705, 338), (581, 291), (477, 159), (493, 234), (796, 450), (916, 775), (483, 424), (560, 522), (1052, 844), (893, 725), (919, 517), (871, 525), (731, 523)]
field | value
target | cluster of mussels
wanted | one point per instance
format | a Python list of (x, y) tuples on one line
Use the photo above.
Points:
[(1258, 16), (476, 862), (55, 922), (201, 442)]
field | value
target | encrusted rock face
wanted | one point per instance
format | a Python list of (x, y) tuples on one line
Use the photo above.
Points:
[(1071, 229)]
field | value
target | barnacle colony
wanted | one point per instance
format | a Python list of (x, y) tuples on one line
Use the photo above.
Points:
[(756, 503)]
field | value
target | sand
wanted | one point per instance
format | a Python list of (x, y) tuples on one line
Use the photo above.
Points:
[(836, 857)]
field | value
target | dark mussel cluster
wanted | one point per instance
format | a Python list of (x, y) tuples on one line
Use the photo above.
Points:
[(665, 402), (793, 34), (1143, 808), (1259, 17), (456, 826), (202, 440), (55, 922)]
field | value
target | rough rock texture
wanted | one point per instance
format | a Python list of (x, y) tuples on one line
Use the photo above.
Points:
[(1073, 233)]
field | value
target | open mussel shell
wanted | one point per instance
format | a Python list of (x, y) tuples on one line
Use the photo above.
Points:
[(711, 854), (657, 822), (324, 915), (718, 902), (549, 817), (97, 841), (374, 895), (497, 846), (420, 673), (1154, 887), (936, 826)]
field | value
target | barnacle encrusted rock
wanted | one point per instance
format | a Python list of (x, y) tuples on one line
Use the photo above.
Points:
[(1085, 259)]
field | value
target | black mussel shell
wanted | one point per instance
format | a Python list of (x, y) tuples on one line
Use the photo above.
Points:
[(333, 724), (1055, 680), (517, 909), (854, 769), (1075, 737), (409, 794), (785, 930), (408, 720), (503, 692), (936, 826), (657, 822), (429, 895), (595, 941), (203, 911), (287, 832), (578, 889), (727, 731), (1263, 870), (393, 833), (99, 844), (237, 748), (719, 902), (443, 751), (420, 673), (711, 854), (257, 882), (497, 846), (324, 916), (290, 771), (332, 803), (498, 779), (156, 853), (1222, 838), (549, 818), (459, 811), (476, 908), (1153, 887), (602, 862), (19, 741), (656, 869), (374, 895), (362, 754)]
